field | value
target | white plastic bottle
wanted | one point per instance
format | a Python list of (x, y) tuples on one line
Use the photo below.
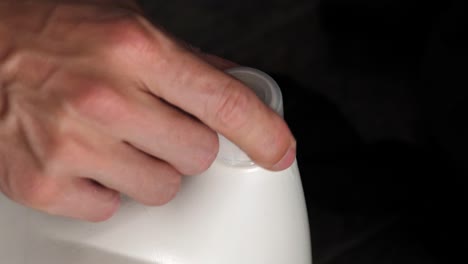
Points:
[(235, 212)]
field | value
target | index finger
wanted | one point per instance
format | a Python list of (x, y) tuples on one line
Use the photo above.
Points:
[(224, 104)]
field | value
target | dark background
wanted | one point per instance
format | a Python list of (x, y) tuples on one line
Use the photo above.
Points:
[(374, 93)]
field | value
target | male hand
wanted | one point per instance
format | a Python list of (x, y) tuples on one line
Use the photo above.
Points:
[(96, 101)]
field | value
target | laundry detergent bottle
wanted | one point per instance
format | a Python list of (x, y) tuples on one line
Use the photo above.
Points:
[(233, 213)]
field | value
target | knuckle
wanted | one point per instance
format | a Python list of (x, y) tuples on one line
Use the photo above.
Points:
[(99, 101), (128, 35), (231, 109), (11, 61), (24, 65)]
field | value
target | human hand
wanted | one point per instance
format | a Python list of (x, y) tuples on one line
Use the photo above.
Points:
[(96, 101)]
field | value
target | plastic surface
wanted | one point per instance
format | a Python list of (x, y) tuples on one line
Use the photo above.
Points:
[(227, 215)]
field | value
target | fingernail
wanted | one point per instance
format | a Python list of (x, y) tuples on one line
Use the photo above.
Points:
[(287, 159)]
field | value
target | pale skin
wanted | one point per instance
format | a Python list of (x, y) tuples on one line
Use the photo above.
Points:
[(96, 102)]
